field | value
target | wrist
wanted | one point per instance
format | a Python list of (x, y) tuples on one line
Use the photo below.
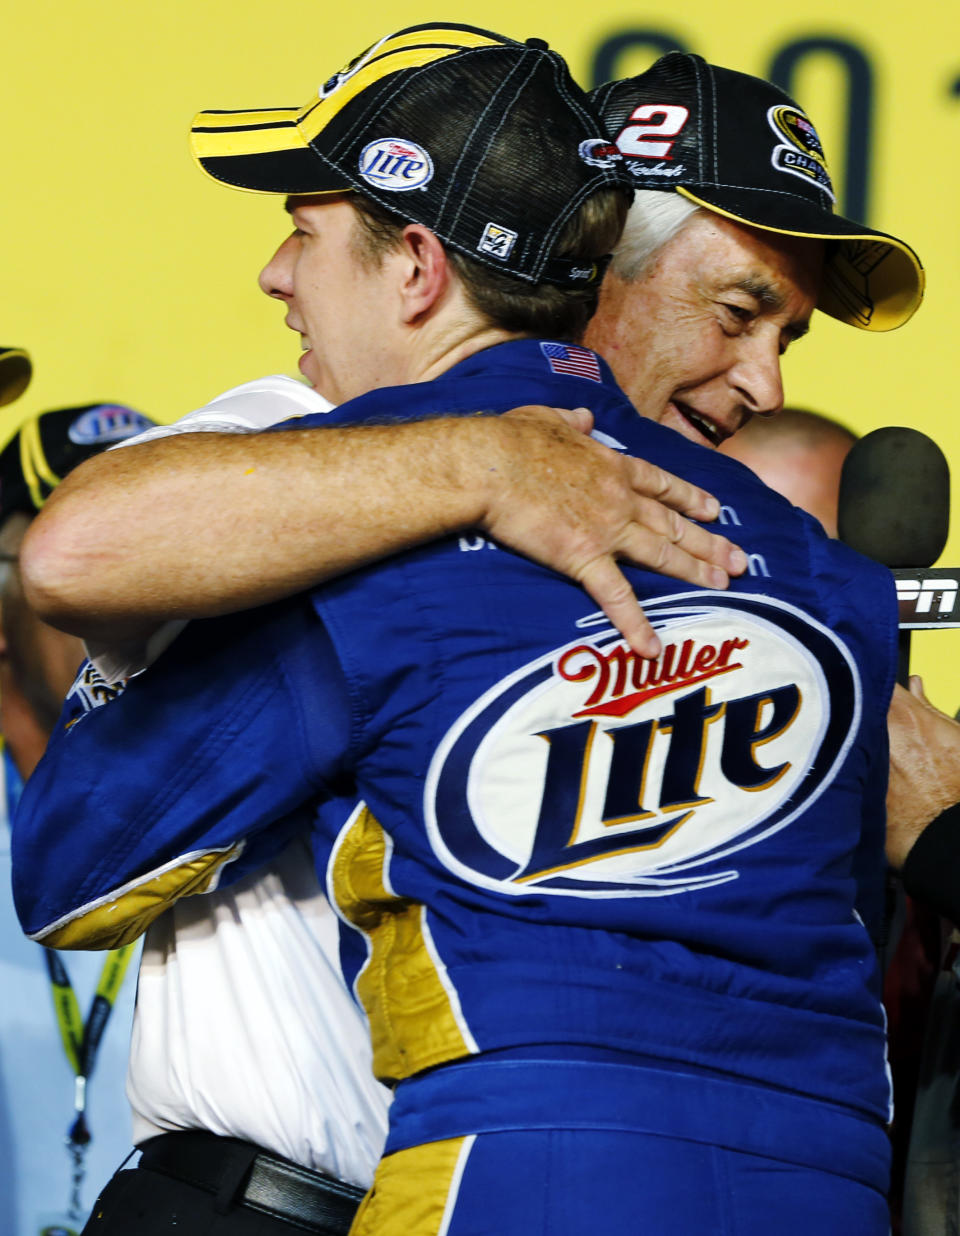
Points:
[(487, 450)]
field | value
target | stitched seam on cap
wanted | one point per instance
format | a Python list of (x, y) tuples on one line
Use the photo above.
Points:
[(757, 189), (701, 152), (466, 145), (592, 186)]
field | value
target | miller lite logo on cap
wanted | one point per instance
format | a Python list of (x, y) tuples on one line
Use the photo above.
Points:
[(592, 772), (395, 164)]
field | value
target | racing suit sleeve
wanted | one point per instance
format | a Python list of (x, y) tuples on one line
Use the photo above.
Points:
[(149, 789)]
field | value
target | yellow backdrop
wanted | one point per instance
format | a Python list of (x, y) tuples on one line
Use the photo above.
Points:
[(131, 277)]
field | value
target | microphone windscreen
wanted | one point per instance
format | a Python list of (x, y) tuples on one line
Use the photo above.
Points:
[(895, 498)]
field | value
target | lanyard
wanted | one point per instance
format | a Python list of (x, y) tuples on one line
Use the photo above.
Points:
[(81, 1039), (81, 1044)]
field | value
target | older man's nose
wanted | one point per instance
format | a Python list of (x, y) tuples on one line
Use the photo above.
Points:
[(756, 374)]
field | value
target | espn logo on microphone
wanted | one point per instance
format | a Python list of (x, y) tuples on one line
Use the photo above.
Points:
[(928, 598)]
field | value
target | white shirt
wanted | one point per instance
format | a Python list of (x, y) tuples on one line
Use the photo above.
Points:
[(243, 1025)]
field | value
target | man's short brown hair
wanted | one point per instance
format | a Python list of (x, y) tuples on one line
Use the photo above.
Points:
[(537, 309)]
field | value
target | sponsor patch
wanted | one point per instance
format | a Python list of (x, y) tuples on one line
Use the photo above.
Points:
[(802, 153), (928, 598), (592, 772), (91, 690), (336, 81), (497, 241), (396, 165), (567, 358), (599, 153), (107, 423)]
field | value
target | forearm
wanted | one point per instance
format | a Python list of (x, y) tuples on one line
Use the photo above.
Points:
[(201, 524)]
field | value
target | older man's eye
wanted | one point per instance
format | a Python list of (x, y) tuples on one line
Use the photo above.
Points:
[(740, 312)]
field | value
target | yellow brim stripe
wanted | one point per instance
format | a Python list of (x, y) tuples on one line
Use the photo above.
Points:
[(227, 121), (901, 303), (272, 135), (278, 134), (283, 129), (323, 111)]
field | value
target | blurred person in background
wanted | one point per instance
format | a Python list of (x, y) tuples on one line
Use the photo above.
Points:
[(800, 454), (46, 997)]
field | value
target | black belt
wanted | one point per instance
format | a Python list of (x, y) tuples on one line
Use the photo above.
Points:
[(241, 1174)]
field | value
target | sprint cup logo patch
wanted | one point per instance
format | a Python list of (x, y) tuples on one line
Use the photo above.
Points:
[(591, 772), (801, 154), (396, 165)]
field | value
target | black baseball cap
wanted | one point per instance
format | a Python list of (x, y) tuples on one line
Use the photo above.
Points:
[(486, 141), (15, 374), (45, 447), (739, 146)]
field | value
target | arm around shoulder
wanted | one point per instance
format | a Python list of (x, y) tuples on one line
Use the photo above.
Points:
[(205, 524)]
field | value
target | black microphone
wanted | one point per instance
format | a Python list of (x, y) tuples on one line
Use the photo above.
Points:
[(895, 508)]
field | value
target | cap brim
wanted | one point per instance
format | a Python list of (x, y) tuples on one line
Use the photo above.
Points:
[(269, 150), (262, 152), (16, 371), (871, 280)]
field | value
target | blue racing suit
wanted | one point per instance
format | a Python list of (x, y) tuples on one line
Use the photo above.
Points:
[(562, 857)]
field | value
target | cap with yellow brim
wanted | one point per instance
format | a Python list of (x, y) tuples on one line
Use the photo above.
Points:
[(740, 147), (486, 141)]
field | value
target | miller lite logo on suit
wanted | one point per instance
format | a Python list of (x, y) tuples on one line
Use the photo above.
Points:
[(592, 772), (395, 164)]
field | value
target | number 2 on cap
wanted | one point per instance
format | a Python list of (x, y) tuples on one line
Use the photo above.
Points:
[(671, 118)]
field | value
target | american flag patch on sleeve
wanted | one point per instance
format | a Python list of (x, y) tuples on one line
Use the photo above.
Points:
[(567, 358)]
